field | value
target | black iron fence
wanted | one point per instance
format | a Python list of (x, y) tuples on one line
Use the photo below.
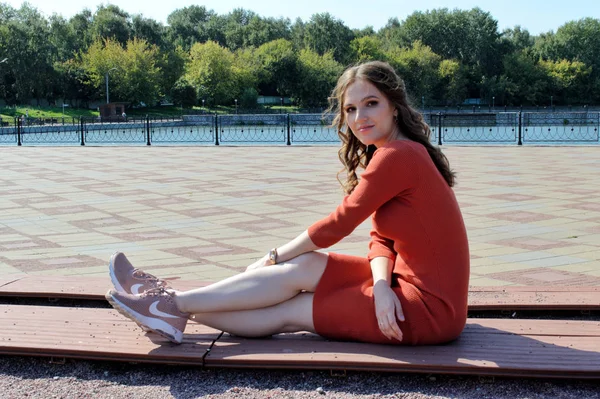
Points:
[(287, 129)]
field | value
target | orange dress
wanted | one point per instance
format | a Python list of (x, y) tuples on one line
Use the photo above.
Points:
[(417, 224)]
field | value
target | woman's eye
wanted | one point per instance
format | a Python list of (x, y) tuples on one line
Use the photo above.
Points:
[(372, 103), (349, 109)]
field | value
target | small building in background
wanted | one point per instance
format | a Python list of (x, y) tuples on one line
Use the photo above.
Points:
[(112, 112)]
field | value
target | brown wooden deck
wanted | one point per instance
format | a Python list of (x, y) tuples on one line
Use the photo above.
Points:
[(480, 298), (547, 348), (504, 347)]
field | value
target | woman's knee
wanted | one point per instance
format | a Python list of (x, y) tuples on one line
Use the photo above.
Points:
[(308, 268)]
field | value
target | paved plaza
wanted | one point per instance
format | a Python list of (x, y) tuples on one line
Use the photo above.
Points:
[(205, 213)]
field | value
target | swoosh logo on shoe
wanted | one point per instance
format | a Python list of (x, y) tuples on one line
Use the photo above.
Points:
[(154, 310), (135, 289)]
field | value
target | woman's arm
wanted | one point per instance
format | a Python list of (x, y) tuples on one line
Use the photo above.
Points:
[(381, 267), (388, 309), (298, 246)]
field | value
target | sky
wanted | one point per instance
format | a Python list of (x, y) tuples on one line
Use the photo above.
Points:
[(537, 16)]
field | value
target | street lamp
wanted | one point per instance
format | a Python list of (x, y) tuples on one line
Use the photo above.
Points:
[(493, 102), (107, 97), (236, 111), (423, 103), (551, 101)]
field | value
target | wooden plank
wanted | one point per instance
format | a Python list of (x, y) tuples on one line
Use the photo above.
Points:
[(89, 333), (548, 348), (482, 349), (587, 298), (8, 279), (73, 287), (480, 298), (534, 288)]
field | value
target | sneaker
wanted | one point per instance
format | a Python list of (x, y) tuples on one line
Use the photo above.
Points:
[(128, 279), (155, 309)]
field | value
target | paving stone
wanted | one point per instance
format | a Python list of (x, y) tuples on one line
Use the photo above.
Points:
[(204, 213)]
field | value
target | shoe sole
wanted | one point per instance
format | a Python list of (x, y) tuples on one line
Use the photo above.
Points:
[(119, 287), (155, 325)]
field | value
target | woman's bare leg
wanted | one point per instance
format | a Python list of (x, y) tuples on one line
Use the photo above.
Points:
[(258, 288), (290, 316)]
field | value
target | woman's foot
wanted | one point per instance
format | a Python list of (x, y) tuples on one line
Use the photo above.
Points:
[(128, 279), (155, 309)]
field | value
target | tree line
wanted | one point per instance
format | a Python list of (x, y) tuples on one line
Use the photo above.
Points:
[(201, 57)]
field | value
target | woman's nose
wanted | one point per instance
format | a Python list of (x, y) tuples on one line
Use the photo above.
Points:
[(360, 114)]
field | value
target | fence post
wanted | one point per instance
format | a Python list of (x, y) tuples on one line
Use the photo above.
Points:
[(82, 123), (147, 130), (289, 141), (19, 125), (520, 129), (216, 128), (439, 128)]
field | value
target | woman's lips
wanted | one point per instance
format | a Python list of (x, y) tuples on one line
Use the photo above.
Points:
[(364, 128)]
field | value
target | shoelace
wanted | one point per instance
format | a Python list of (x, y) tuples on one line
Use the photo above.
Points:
[(142, 275), (160, 290)]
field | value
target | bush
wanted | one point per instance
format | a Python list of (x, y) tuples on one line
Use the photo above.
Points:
[(249, 98), (183, 93)]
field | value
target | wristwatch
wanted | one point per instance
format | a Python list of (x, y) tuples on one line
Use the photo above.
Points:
[(272, 257)]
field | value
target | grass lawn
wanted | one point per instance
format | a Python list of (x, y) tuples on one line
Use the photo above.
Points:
[(8, 114)]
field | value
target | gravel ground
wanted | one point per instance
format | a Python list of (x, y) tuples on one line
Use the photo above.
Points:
[(24, 377)]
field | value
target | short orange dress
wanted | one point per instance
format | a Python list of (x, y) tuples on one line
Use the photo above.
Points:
[(417, 224)]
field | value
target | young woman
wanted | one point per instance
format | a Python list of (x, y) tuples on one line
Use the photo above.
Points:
[(410, 289)]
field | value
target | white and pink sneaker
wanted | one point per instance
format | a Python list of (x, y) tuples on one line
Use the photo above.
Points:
[(155, 309), (128, 279)]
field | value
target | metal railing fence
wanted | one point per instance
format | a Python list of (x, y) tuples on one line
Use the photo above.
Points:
[(287, 129)]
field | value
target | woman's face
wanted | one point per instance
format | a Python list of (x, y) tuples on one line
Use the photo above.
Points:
[(369, 114)]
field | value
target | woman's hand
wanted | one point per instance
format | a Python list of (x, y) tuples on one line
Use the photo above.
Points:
[(262, 262), (387, 308)]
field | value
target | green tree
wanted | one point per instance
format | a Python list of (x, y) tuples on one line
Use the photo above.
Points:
[(367, 48), (517, 39), (28, 72), (81, 24), (150, 30), (525, 81), (453, 82), (366, 31), (111, 22), (210, 70), (183, 93), (570, 80), (419, 67), (133, 73), (62, 38), (317, 76), (470, 37), (172, 66), (245, 71), (324, 33), (244, 28), (575, 41), (297, 34), (189, 25), (71, 86), (277, 70)]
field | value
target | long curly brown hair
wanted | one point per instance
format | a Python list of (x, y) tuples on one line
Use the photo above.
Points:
[(353, 153)]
